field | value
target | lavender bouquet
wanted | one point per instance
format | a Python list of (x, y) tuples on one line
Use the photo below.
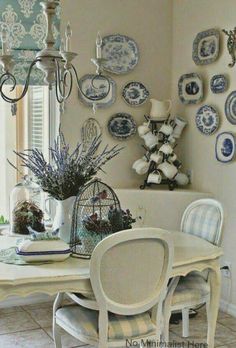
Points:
[(69, 169)]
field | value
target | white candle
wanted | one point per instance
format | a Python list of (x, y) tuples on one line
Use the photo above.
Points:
[(68, 35), (62, 47), (4, 41), (99, 46)]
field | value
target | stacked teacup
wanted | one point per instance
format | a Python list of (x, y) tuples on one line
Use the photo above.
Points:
[(160, 160)]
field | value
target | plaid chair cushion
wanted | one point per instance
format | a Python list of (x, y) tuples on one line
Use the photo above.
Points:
[(192, 288), (203, 221), (84, 321)]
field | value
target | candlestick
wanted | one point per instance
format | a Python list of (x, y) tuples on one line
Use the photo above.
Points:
[(68, 35), (62, 46), (98, 46), (4, 41)]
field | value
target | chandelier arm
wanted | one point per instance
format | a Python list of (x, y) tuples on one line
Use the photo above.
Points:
[(61, 95), (8, 76), (92, 83)]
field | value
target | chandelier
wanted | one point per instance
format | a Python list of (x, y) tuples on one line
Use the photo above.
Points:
[(56, 64)]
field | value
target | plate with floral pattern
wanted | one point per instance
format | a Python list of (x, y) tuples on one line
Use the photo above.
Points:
[(120, 52), (230, 107), (207, 119), (206, 47), (135, 93), (190, 88), (225, 147), (122, 126)]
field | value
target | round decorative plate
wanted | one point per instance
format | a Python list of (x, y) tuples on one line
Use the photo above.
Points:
[(122, 126), (219, 84), (120, 52), (207, 120), (135, 93), (225, 147), (230, 107), (99, 90)]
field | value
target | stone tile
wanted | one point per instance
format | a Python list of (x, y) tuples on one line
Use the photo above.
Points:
[(38, 305), (68, 341), (224, 335), (14, 322), (230, 345), (9, 310), (229, 322), (27, 339), (43, 316)]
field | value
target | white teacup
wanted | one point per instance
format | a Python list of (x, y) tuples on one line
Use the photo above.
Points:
[(180, 124), (141, 166), (171, 139), (166, 149), (169, 170), (173, 157), (166, 129), (156, 157), (136, 163), (154, 178), (182, 179), (150, 139), (143, 129)]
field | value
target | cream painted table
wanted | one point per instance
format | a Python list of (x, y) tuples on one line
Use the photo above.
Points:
[(190, 253)]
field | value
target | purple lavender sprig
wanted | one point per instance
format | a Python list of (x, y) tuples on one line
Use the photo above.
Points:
[(69, 169)]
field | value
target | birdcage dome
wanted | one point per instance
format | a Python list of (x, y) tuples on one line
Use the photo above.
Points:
[(97, 213)]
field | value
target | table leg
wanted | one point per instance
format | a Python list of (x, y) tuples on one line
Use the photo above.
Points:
[(213, 305)]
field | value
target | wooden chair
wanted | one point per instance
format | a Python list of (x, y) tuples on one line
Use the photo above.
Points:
[(129, 273), (202, 218)]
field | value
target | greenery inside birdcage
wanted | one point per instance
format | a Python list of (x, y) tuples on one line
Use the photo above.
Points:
[(97, 213)]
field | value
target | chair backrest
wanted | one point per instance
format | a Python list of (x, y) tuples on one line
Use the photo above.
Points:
[(204, 218), (129, 270)]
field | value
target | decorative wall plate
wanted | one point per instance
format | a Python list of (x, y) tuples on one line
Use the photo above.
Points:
[(219, 84), (190, 88), (122, 126), (230, 107), (101, 89), (225, 147), (90, 129), (121, 53), (207, 120), (135, 93), (206, 46)]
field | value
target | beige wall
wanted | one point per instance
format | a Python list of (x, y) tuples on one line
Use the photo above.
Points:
[(149, 24), (197, 150)]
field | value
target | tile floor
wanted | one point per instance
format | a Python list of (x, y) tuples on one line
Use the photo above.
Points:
[(31, 327)]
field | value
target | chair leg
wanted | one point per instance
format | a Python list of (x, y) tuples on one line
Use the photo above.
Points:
[(185, 322), (57, 335)]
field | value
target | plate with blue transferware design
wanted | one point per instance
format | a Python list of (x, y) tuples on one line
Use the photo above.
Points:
[(120, 52), (122, 126), (219, 84), (190, 88), (207, 120), (230, 107), (206, 47), (225, 147), (99, 89), (135, 93)]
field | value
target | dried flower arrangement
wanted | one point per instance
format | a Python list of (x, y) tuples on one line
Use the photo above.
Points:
[(25, 214), (69, 170)]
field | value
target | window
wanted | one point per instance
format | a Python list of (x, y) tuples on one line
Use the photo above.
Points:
[(31, 128)]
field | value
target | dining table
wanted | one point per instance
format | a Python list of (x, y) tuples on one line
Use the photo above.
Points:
[(191, 253)]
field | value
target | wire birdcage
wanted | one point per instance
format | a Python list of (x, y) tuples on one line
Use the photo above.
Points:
[(97, 213)]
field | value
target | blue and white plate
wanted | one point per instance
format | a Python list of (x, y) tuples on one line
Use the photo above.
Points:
[(135, 93), (225, 147), (219, 84), (120, 52), (122, 126), (207, 120), (190, 88), (101, 88), (206, 47), (230, 107)]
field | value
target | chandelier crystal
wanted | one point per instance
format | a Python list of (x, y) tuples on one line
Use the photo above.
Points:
[(56, 64)]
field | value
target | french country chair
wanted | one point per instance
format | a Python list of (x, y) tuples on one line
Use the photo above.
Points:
[(202, 218), (129, 273)]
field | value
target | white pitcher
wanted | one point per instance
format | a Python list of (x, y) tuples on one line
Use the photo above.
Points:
[(160, 109), (63, 217)]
